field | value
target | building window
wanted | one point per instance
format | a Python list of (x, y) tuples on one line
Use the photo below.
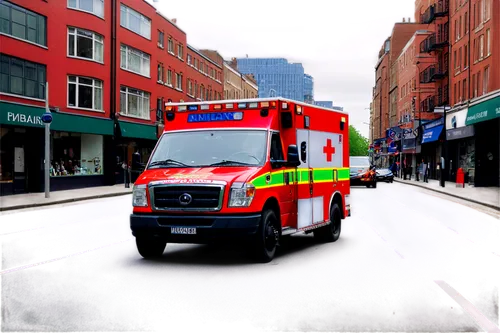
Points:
[(135, 21), (201, 67), (486, 80), (466, 23), (466, 56), (196, 63), (22, 77), (478, 78), (189, 59), (487, 10), (161, 39), (488, 42), (75, 154), (481, 47), (178, 81), (134, 102), (92, 6), (85, 44), (169, 78), (180, 51), (160, 73), (190, 87), (84, 93), (135, 61), (464, 87), (170, 45), (21, 23)]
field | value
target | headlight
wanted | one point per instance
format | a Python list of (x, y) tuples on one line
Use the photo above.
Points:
[(139, 198), (241, 195)]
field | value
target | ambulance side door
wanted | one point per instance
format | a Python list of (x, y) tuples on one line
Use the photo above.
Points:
[(286, 190), (304, 179)]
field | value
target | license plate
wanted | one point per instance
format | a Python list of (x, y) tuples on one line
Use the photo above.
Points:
[(183, 231)]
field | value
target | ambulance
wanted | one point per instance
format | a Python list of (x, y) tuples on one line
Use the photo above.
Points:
[(253, 171)]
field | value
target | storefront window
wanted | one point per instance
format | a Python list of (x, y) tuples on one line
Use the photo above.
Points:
[(75, 154), (6, 156)]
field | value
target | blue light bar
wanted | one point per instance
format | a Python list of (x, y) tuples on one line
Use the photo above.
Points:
[(242, 105), (214, 116), (192, 107)]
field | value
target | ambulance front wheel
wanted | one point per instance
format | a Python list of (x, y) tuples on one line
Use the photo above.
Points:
[(330, 232), (267, 237), (149, 247)]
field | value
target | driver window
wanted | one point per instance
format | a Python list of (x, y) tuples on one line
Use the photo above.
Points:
[(276, 148)]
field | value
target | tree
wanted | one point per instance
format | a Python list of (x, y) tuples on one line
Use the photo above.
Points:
[(358, 144)]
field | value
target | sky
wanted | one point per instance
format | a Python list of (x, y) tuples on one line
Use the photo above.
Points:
[(336, 41)]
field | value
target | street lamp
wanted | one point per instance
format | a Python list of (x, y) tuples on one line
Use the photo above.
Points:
[(47, 119)]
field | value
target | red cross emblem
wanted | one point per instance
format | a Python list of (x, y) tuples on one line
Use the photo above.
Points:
[(329, 150)]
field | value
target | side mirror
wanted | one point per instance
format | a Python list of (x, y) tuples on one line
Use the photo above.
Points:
[(292, 156)]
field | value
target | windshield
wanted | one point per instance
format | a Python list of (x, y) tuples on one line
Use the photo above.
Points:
[(359, 163), (210, 148)]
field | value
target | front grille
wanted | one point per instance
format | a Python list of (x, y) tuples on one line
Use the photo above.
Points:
[(201, 197)]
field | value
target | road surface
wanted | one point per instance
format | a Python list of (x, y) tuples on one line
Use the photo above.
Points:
[(407, 260)]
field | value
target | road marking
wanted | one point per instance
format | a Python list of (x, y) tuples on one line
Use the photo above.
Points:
[(386, 242), (434, 219), (478, 317), (23, 267)]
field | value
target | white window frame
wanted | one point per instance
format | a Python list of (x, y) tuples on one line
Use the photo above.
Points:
[(95, 40), (189, 59), (161, 41), (145, 70), (169, 78), (180, 51), (96, 84), (94, 2), (178, 81), (144, 20), (143, 95), (486, 79), (488, 42), (170, 45)]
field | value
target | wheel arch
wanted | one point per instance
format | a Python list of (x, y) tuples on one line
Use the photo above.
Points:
[(337, 198), (273, 204)]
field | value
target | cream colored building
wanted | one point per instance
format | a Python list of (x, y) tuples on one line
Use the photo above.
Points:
[(237, 85)]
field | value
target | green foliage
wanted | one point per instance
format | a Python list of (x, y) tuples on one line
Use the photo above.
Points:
[(358, 144)]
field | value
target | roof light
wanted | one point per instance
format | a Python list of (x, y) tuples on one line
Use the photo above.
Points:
[(182, 108), (229, 106), (169, 108), (273, 105), (264, 104), (217, 107), (284, 106), (242, 105), (192, 107), (298, 109), (253, 105), (205, 107)]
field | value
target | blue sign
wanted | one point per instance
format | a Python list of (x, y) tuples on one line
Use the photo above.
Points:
[(47, 117), (432, 134), (214, 116)]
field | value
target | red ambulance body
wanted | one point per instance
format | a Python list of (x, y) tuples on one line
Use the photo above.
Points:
[(243, 170)]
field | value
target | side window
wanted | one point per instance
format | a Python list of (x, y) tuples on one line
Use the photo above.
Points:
[(276, 148)]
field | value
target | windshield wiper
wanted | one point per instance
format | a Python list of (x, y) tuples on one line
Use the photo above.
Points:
[(167, 162), (229, 162)]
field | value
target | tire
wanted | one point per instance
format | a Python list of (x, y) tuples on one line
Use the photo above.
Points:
[(267, 238), (374, 184), (331, 232), (149, 247)]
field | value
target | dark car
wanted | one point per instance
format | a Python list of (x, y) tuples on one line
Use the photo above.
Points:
[(361, 172), (384, 175)]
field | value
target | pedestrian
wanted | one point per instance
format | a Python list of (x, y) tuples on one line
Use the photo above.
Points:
[(424, 171)]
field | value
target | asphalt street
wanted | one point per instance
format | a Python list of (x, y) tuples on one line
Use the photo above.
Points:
[(407, 260)]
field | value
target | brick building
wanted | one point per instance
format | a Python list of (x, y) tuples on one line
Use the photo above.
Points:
[(86, 53), (237, 85), (205, 73)]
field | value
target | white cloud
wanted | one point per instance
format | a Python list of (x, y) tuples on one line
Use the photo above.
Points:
[(337, 41)]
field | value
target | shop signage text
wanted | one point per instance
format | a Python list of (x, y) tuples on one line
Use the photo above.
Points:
[(21, 118), (484, 111), (459, 133)]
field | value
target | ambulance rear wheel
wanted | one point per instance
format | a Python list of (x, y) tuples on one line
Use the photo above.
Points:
[(149, 247), (331, 232), (267, 237)]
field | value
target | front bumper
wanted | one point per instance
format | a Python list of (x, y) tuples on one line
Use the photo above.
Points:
[(209, 228)]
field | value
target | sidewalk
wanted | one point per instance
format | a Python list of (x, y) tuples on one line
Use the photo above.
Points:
[(29, 200), (487, 196)]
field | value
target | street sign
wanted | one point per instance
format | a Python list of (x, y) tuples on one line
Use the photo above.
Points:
[(47, 117)]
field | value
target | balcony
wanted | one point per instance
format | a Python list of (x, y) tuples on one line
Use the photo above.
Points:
[(433, 73), (435, 41), (428, 104), (440, 9), (442, 96)]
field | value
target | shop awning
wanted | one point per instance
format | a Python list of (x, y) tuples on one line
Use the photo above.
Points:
[(432, 134), (25, 115), (484, 111), (137, 131)]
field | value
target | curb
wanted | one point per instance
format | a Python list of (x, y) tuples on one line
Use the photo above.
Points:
[(62, 201), (450, 194)]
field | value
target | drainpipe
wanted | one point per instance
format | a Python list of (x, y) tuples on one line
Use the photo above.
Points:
[(113, 59)]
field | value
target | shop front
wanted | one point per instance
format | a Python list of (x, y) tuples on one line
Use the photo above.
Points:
[(431, 145), (484, 115), (78, 150), (134, 144), (461, 144)]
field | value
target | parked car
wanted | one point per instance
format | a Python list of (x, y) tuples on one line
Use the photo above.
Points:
[(361, 172), (384, 175)]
